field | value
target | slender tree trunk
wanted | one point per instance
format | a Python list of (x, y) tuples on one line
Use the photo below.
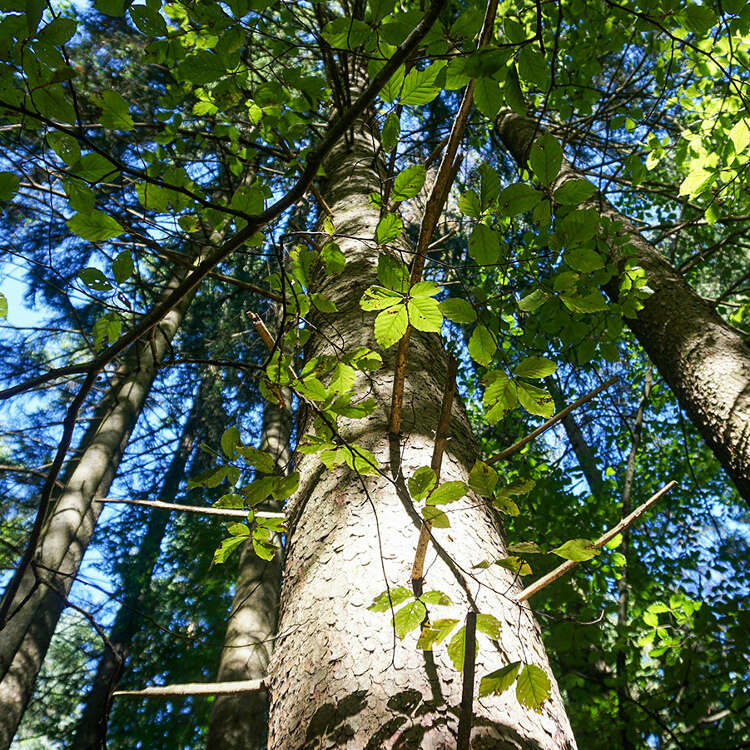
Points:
[(584, 454), (240, 722), (92, 726), (705, 361), (42, 595), (623, 591), (339, 677)]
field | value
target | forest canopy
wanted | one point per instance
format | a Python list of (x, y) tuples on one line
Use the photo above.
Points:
[(374, 374)]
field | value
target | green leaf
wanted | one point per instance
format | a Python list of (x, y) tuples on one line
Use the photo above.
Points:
[(515, 565), (457, 649), (94, 226), (436, 517), (482, 345), (343, 378), (458, 310), (333, 259), (322, 303), (58, 31), (534, 367), (122, 266), (94, 279), (525, 548), (434, 633), (584, 259), (576, 549), (65, 146), (390, 325), (499, 681), (391, 132), (148, 21), (261, 460), (533, 300), (545, 159), (574, 192), (484, 245), (532, 68), (482, 479), (424, 314), (421, 483), (594, 301), (108, 327), (425, 289), (489, 625), (229, 441), (578, 226), (8, 185), (469, 205), (393, 273), (408, 618), (226, 548), (230, 500), (518, 198), (533, 687), (378, 298), (447, 492), (499, 397), (488, 97), (388, 229), (115, 111), (346, 33), (262, 548), (3, 307), (422, 86), (535, 400), (381, 603), (436, 597), (409, 182)]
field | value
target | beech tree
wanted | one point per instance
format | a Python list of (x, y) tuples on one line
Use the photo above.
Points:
[(427, 212)]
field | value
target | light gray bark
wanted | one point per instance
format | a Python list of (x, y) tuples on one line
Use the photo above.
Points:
[(240, 722), (339, 677), (70, 525), (91, 728), (705, 361)]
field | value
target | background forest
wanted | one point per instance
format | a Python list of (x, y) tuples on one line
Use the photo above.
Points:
[(223, 224)]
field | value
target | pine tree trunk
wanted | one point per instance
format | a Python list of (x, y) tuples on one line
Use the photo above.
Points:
[(240, 722), (92, 726), (42, 595), (705, 362), (339, 677)]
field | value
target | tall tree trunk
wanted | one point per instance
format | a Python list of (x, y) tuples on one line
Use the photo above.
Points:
[(240, 722), (92, 726), (623, 590), (584, 454), (42, 595), (339, 677), (705, 361)]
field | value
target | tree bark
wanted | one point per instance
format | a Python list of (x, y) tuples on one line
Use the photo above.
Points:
[(705, 361), (92, 726), (240, 722), (339, 677), (584, 454), (42, 595)]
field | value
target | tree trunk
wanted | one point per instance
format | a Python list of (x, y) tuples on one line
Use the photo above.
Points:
[(92, 726), (339, 676), (240, 722), (623, 590), (42, 595), (705, 361), (584, 454)]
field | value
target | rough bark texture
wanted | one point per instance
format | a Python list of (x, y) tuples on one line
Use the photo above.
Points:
[(705, 362), (339, 677), (240, 722), (92, 726), (68, 530)]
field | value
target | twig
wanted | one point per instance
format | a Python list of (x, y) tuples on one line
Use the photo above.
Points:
[(626, 522), (195, 688), (551, 422), (206, 511), (467, 693), (441, 438)]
